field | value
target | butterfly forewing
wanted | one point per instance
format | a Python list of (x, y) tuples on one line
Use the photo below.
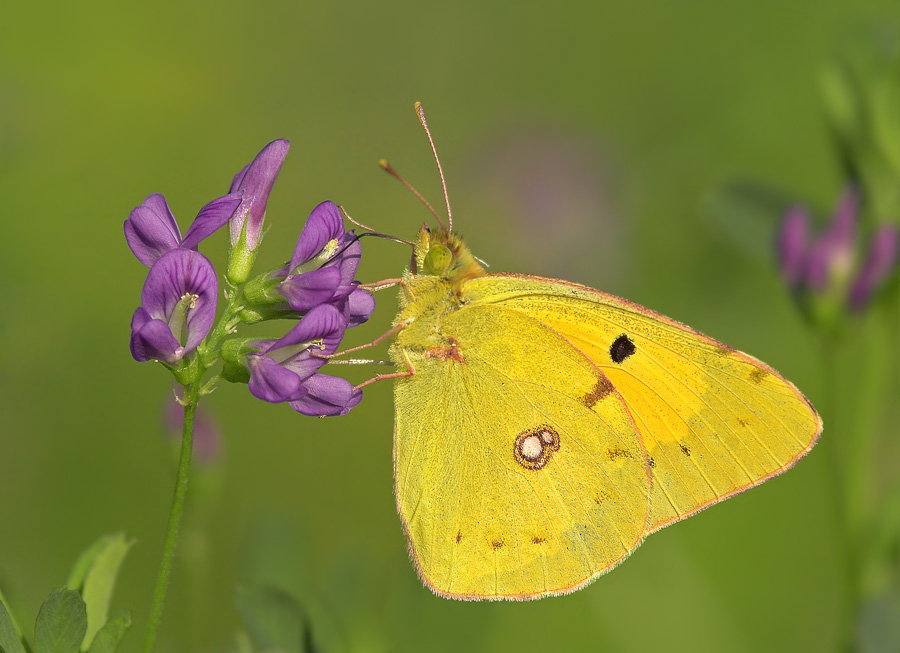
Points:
[(714, 421), (514, 478)]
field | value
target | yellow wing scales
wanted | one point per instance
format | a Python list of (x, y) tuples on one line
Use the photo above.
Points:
[(514, 479), (547, 428), (714, 421)]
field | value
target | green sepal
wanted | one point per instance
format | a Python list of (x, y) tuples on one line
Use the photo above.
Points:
[(240, 260), (262, 301), (254, 314), (94, 575), (10, 635), (188, 370), (273, 619), (263, 290), (61, 623), (234, 358), (109, 637)]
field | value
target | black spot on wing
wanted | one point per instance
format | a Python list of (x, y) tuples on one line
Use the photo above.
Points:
[(622, 348)]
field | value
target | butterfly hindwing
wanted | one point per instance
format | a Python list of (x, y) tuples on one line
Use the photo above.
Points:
[(519, 472), (715, 421)]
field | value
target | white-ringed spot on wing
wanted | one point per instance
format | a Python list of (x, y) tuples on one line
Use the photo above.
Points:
[(533, 448)]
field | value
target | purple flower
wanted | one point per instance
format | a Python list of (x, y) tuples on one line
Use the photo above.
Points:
[(178, 306), (324, 262), (793, 245), (826, 265), (831, 255), (255, 183), (151, 230), (321, 270), (881, 259), (286, 371)]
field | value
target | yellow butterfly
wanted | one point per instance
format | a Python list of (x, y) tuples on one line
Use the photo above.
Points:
[(544, 428)]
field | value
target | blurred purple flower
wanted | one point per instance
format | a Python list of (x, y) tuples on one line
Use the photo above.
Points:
[(286, 371), (255, 182), (207, 441), (827, 265), (178, 306), (831, 254), (151, 229), (793, 245), (881, 259)]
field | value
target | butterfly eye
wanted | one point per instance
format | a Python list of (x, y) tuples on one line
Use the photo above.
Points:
[(438, 260)]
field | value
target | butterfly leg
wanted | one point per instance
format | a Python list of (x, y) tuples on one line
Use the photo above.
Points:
[(395, 375), (377, 340), (384, 284)]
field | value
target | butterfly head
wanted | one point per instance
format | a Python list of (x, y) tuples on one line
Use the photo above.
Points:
[(445, 255)]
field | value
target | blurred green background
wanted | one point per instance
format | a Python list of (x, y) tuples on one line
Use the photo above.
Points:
[(578, 141)]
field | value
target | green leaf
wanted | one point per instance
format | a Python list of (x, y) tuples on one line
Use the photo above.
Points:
[(109, 637), (886, 116), (99, 582), (273, 619), (85, 561), (61, 623), (10, 637), (841, 103)]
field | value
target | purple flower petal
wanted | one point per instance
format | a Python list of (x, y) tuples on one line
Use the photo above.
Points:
[(328, 395), (323, 225), (817, 264), (271, 382), (183, 280), (237, 179), (323, 323), (881, 259), (256, 181), (211, 218), (139, 319), (304, 291), (842, 230), (152, 339), (360, 306), (793, 244), (151, 230), (349, 259)]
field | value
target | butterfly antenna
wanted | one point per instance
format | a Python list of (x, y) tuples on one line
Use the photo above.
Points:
[(358, 224), (371, 232), (421, 113), (396, 175)]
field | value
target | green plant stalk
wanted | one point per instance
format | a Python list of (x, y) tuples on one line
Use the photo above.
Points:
[(12, 617), (839, 495), (190, 398)]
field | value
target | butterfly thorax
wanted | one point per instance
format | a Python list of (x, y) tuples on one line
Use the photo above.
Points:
[(433, 286)]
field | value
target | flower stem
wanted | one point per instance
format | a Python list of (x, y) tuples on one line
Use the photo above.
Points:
[(191, 395), (844, 513)]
